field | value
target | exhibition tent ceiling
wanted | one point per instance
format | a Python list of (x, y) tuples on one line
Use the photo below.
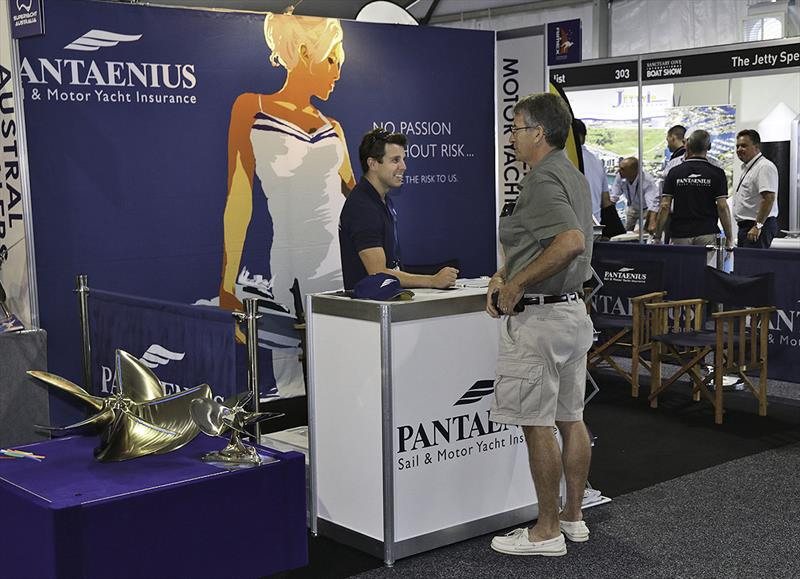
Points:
[(350, 8)]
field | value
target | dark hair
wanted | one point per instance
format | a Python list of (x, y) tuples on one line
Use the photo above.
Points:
[(678, 131), (550, 112), (698, 142), (373, 144), (579, 127), (752, 134)]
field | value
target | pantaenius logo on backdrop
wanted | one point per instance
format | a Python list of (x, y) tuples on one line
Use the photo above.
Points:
[(26, 18), (86, 72), (455, 437)]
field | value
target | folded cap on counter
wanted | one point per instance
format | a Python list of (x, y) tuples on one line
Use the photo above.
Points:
[(382, 287)]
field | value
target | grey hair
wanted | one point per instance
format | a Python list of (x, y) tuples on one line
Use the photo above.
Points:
[(550, 112), (698, 142)]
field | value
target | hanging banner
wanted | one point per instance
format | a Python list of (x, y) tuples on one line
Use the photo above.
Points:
[(177, 342), (27, 18), (13, 256), (203, 156), (564, 42), (520, 72)]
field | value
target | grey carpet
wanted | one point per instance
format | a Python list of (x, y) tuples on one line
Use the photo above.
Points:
[(733, 520)]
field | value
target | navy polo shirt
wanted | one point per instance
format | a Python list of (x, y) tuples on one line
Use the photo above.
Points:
[(695, 185), (366, 221)]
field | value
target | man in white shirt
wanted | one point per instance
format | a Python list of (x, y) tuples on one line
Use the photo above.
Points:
[(595, 173), (754, 206), (627, 184)]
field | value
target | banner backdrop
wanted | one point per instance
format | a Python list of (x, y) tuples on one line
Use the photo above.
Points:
[(784, 326), (177, 342), (172, 156), (13, 256)]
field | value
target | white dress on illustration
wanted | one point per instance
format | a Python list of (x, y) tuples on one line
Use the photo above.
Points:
[(299, 173)]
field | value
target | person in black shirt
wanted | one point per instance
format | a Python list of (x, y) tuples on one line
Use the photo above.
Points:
[(699, 192), (676, 141), (368, 239)]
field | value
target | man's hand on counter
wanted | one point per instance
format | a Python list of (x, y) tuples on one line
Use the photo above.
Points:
[(444, 278)]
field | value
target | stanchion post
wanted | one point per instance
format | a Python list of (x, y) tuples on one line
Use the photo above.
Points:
[(719, 248), (82, 289), (251, 317)]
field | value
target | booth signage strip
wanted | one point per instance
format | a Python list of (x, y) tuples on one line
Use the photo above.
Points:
[(741, 60), (597, 74), (728, 62)]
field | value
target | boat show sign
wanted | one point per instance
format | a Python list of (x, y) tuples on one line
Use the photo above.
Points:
[(728, 62)]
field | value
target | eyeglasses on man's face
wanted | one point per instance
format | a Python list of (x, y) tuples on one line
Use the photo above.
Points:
[(514, 130)]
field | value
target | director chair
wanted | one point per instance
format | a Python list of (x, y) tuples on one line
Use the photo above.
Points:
[(618, 313), (736, 338)]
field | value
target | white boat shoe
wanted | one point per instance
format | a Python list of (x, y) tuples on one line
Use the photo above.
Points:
[(577, 531), (517, 543)]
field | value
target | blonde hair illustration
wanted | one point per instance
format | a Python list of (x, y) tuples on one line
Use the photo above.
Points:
[(285, 34)]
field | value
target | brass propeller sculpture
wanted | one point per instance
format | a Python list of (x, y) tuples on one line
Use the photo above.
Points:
[(137, 419), (214, 419)]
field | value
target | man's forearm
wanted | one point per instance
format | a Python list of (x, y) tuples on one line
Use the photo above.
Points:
[(661, 221), (558, 255), (765, 207), (725, 219)]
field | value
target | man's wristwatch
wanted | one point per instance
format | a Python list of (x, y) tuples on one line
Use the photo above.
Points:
[(759, 225)]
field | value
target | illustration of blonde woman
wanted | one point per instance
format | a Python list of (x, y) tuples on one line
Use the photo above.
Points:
[(300, 158)]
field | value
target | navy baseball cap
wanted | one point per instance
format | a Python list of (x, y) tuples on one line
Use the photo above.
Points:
[(382, 287)]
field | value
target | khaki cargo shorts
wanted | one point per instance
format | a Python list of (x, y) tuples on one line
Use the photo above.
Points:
[(541, 365)]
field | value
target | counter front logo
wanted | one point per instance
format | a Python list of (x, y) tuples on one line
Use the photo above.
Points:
[(451, 438), (476, 392), (26, 6)]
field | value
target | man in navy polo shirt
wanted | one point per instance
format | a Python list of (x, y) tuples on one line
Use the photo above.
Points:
[(368, 224), (699, 191)]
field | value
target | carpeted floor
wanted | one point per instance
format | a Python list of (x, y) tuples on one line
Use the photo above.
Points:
[(690, 499), (732, 520)]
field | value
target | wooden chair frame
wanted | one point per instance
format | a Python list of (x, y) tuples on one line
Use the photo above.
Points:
[(639, 335), (740, 346)]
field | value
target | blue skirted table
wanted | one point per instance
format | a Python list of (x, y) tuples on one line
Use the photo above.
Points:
[(173, 515)]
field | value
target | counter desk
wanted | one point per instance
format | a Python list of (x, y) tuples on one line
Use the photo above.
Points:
[(404, 458)]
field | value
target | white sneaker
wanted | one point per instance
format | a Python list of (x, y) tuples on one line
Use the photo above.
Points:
[(516, 543), (575, 531)]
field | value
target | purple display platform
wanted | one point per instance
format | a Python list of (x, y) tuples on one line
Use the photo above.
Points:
[(70, 516)]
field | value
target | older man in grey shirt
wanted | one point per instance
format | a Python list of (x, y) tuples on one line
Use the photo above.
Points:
[(541, 366)]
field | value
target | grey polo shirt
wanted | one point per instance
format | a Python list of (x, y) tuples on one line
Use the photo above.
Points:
[(554, 197)]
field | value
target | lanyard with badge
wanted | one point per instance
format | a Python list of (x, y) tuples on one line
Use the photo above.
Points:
[(395, 263), (746, 171)]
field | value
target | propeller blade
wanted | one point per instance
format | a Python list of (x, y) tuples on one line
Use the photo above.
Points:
[(209, 414), (253, 417), (238, 400), (136, 380), (130, 437), (99, 419), (67, 386), (174, 413)]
